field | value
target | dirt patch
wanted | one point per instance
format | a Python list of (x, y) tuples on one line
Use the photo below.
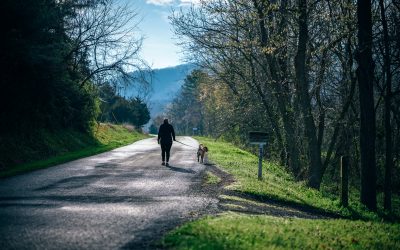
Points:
[(218, 188)]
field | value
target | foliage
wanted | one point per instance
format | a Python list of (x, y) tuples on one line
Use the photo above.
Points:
[(38, 90), (53, 53), (153, 129), (208, 104), (117, 109), (186, 110), (235, 231)]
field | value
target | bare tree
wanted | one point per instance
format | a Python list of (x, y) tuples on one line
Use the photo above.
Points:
[(295, 59), (302, 90), (103, 34)]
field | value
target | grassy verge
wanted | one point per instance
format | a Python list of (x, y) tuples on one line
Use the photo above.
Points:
[(233, 231), (361, 229), (277, 184), (65, 146)]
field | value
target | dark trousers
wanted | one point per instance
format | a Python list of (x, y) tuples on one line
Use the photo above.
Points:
[(165, 149)]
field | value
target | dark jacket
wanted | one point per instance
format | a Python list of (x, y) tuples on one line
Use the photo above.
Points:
[(166, 133)]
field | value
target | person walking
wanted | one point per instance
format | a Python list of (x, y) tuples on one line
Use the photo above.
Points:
[(166, 134)]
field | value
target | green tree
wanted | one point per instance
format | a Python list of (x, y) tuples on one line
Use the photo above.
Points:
[(153, 129), (186, 111), (140, 113), (117, 109), (38, 90)]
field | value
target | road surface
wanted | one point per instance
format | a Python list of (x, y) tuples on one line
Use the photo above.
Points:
[(122, 199)]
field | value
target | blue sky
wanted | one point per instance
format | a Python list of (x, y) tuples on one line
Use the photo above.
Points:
[(159, 49)]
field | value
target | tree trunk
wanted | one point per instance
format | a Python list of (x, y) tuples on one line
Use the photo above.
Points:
[(365, 75), (293, 156), (281, 96), (388, 129), (315, 172), (352, 81)]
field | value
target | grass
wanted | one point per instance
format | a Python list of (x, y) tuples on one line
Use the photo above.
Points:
[(234, 231), (359, 228), (64, 146), (278, 184), (211, 178)]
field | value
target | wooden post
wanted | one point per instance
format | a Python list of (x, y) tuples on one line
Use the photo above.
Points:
[(344, 178), (260, 161)]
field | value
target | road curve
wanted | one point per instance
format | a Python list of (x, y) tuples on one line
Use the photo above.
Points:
[(122, 199)]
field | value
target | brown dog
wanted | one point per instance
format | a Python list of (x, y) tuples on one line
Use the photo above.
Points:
[(201, 152)]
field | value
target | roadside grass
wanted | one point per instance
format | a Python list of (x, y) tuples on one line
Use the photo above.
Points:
[(358, 228), (234, 231), (279, 185), (61, 147), (211, 178)]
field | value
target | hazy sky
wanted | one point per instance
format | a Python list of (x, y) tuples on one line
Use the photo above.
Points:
[(159, 48)]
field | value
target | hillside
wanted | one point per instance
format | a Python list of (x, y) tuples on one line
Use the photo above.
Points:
[(44, 148)]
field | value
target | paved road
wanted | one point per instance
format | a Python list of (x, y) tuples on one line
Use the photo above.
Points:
[(119, 199)]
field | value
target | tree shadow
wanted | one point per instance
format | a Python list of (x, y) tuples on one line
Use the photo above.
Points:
[(27, 205), (270, 199), (181, 170), (75, 182), (72, 182), (85, 199)]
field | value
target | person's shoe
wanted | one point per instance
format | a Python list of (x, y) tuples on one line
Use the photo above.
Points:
[(163, 163), (166, 164)]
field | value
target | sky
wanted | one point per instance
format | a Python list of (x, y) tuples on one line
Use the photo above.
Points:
[(159, 47)]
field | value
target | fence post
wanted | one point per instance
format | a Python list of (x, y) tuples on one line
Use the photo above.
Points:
[(344, 179), (260, 157)]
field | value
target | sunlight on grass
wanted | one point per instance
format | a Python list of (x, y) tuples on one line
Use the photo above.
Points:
[(234, 231)]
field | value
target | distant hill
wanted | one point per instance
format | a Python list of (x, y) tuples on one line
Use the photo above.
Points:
[(165, 84)]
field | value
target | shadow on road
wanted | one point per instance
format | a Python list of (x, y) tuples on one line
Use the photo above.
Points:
[(181, 170)]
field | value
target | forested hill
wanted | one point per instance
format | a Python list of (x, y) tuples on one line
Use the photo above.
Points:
[(164, 85)]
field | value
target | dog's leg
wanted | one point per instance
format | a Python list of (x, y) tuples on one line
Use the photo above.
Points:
[(206, 158)]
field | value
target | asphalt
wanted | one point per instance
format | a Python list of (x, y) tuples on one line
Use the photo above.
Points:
[(122, 199)]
